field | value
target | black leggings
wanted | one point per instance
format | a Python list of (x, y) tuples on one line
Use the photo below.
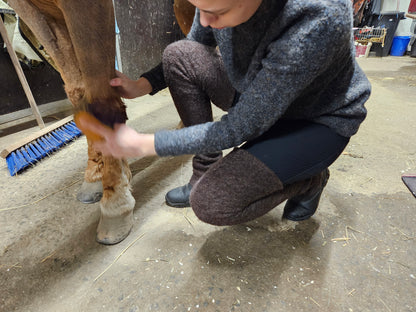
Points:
[(296, 149)]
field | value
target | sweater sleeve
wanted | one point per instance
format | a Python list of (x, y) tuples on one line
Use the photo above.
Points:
[(156, 78), (292, 62)]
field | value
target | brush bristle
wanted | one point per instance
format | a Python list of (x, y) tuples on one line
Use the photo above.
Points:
[(31, 153)]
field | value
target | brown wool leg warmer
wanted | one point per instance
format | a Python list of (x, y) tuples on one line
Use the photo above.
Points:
[(201, 163), (229, 192), (196, 77), (240, 188)]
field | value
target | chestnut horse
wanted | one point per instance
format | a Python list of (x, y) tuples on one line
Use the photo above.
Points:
[(79, 37)]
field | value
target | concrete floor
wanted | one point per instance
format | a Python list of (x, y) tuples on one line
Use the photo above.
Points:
[(358, 253)]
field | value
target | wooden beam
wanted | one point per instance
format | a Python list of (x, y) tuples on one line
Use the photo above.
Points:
[(21, 75)]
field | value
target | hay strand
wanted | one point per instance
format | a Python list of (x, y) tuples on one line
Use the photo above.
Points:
[(118, 257)]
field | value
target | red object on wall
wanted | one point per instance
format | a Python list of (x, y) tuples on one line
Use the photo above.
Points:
[(412, 7)]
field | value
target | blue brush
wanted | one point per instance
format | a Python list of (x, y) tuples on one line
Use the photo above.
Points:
[(22, 155)]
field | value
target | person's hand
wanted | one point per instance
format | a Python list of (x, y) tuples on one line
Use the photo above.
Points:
[(129, 88), (122, 141)]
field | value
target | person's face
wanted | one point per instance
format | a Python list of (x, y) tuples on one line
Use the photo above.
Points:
[(225, 13)]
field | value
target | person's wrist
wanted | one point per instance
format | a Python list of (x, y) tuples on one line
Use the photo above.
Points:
[(143, 86), (147, 145), (151, 144)]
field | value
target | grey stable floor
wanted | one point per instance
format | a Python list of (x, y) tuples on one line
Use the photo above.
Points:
[(358, 253)]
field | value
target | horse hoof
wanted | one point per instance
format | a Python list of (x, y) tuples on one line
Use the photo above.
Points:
[(112, 230), (90, 192)]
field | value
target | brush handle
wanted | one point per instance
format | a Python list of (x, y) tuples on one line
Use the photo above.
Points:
[(21, 75), (4, 153)]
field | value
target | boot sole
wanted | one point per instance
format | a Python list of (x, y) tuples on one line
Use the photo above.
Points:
[(298, 219), (177, 205)]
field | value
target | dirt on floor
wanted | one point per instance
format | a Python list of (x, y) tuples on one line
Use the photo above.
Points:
[(358, 253)]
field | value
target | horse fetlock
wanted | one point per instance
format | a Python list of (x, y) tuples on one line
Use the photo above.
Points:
[(90, 192), (116, 218)]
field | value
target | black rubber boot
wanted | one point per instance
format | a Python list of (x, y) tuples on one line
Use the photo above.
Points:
[(179, 197), (302, 207)]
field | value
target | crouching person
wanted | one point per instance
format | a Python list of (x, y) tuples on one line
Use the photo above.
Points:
[(293, 98)]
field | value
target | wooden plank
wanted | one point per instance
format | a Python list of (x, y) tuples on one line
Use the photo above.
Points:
[(35, 136), (21, 75), (411, 15), (25, 115)]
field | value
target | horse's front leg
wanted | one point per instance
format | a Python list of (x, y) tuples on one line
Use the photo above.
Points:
[(117, 203)]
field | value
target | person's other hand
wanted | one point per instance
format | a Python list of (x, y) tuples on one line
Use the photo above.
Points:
[(129, 88)]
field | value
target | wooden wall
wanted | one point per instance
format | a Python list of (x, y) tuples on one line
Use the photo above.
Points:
[(146, 28)]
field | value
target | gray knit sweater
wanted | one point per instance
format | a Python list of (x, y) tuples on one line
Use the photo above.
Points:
[(293, 59)]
